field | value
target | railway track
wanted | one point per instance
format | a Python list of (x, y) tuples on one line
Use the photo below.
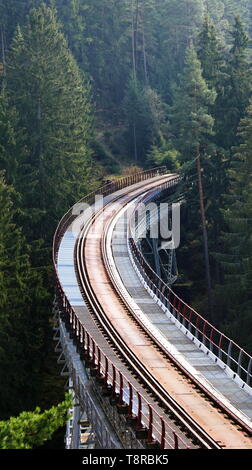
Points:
[(89, 253), (210, 393)]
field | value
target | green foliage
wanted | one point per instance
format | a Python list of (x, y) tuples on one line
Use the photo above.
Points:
[(145, 117), (234, 9), (238, 211), (164, 154), (32, 429), (191, 123), (234, 94), (54, 113), (167, 78), (23, 334), (8, 145), (46, 122), (211, 55)]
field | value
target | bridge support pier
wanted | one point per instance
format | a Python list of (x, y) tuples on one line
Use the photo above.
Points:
[(74, 370), (111, 420)]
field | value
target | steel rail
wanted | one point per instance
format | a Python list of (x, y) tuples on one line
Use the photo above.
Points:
[(203, 328), (69, 314), (181, 306), (136, 365), (208, 393), (104, 190)]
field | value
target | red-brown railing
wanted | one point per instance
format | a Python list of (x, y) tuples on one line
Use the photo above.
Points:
[(238, 360), (104, 191), (147, 422)]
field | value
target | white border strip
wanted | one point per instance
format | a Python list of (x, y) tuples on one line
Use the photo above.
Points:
[(155, 332)]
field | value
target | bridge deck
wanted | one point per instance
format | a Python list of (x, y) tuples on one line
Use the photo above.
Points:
[(68, 279), (203, 364), (174, 382)]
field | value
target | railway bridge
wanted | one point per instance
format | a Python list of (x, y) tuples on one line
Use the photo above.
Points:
[(147, 370)]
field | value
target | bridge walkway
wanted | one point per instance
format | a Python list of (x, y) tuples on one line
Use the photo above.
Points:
[(69, 282), (202, 363)]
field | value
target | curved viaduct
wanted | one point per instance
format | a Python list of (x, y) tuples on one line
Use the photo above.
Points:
[(147, 370)]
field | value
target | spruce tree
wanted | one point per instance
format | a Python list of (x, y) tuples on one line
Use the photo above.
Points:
[(192, 125), (32, 428), (144, 114), (23, 336), (212, 58), (8, 145), (50, 130), (54, 114), (210, 53), (13, 13), (234, 8), (177, 23), (233, 101), (236, 258), (191, 122)]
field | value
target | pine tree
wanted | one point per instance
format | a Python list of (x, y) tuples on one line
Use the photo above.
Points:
[(99, 35), (236, 259), (50, 131), (212, 58), (234, 8), (231, 104), (73, 15), (215, 9), (23, 335), (192, 125), (176, 24), (54, 113), (145, 116), (32, 428), (210, 53), (11, 14), (8, 144)]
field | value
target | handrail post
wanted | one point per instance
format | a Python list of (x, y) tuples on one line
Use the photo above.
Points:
[(249, 371), (83, 336), (184, 311), (229, 353), (239, 363), (150, 426), (139, 413), (162, 443), (114, 379), (99, 360), (219, 346), (130, 411), (93, 355), (106, 370), (88, 346), (197, 327), (211, 339), (121, 389), (204, 332), (190, 320), (176, 446)]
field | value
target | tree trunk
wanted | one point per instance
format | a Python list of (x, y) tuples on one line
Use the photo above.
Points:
[(205, 237), (3, 52), (133, 44), (144, 49), (135, 142)]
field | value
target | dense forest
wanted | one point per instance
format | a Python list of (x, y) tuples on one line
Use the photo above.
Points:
[(90, 88)]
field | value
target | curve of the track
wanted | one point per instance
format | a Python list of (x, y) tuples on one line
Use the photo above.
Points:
[(212, 428)]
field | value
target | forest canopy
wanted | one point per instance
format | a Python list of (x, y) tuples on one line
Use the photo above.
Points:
[(88, 89)]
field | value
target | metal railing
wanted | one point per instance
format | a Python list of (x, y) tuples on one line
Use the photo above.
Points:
[(104, 191), (124, 395), (146, 420), (216, 342)]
